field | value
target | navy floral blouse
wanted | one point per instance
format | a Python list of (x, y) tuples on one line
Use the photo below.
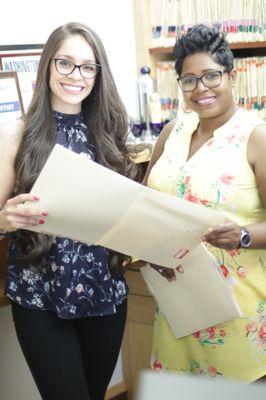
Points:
[(77, 282)]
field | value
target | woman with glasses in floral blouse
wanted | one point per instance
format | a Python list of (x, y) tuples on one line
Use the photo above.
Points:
[(69, 309)]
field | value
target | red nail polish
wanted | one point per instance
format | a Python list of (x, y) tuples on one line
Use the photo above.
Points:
[(41, 221), (180, 268), (45, 213), (36, 198)]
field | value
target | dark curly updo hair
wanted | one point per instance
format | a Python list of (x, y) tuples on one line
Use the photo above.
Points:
[(203, 39)]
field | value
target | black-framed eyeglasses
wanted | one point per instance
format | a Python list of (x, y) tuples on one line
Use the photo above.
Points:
[(211, 79), (66, 67)]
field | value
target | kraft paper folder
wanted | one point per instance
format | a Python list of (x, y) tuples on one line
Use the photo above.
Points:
[(198, 299), (92, 204)]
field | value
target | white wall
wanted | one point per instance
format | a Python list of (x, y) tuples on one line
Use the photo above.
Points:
[(31, 21), (111, 19), (15, 378)]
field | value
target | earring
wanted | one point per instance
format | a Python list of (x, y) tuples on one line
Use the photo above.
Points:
[(185, 109)]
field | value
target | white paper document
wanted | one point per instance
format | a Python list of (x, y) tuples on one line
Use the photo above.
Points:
[(92, 204)]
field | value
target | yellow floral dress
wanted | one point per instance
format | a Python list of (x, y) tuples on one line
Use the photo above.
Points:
[(218, 175)]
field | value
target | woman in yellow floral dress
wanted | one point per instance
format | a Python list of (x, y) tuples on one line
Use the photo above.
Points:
[(216, 156)]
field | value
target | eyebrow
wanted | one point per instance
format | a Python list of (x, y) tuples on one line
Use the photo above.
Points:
[(70, 58), (203, 72)]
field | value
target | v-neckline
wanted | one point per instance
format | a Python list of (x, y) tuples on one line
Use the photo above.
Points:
[(198, 150), (194, 125)]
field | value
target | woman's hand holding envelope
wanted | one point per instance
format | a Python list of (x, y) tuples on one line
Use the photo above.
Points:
[(167, 273), (15, 215)]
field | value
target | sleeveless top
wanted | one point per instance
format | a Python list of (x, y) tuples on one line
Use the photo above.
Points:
[(77, 282), (218, 175)]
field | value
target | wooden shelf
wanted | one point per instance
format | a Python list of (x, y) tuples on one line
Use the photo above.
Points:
[(233, 46), (247, 45), (161, 50), (4, 301)]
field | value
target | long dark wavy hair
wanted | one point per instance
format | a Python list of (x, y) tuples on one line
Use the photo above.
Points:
[(104, 113)]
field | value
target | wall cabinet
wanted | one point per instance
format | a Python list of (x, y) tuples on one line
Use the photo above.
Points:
[(153, 56), (137, 342)]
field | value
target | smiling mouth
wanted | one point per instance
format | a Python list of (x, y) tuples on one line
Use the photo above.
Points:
[(206, 101), (72, 88)]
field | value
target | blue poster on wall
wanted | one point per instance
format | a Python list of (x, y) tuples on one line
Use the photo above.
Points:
[(11, 106)]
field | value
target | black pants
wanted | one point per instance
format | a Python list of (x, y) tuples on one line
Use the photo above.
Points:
[(70, 359)]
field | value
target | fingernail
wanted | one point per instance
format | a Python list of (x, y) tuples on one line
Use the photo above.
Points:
[(173, 279), (36, 198), (41, 221), (180, 269), (45, 213)]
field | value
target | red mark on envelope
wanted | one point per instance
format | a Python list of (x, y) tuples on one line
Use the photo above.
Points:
[(181, 253)]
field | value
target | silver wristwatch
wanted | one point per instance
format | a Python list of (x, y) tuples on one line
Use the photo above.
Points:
[(245, 239)]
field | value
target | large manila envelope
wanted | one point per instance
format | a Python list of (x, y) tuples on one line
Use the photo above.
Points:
[(199, 298), (93, 204)]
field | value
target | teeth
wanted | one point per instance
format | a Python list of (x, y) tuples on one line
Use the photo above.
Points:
[(207, 100), (73, 88)]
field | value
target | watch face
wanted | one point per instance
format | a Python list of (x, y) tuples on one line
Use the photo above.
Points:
[(245, 239)]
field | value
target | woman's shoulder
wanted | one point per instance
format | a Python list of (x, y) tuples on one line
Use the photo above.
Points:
[(254, 126), (247, 119), (256, 145), (167, 129), (183, 123), (170, 130), (258, 134)]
